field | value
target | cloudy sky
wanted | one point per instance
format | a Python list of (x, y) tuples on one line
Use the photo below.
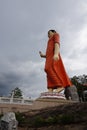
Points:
[(23, 32)]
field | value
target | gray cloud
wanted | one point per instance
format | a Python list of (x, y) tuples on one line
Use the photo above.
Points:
[(8, 82), (23, 32)]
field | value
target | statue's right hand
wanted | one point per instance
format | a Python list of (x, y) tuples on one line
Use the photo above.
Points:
[(40, 53)]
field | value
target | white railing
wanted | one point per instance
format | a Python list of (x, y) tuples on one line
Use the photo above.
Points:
[(16, 101)]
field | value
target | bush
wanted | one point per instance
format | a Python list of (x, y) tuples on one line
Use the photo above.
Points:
[(20, 118), (66, 119), (38, 122)]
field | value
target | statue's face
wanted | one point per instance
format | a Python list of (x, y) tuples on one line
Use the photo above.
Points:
[(50, 34)]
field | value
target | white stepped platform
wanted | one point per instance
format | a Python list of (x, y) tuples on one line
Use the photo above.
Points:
[(52, 95)]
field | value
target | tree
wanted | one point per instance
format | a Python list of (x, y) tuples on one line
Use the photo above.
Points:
[(81, 83), (16, 93)]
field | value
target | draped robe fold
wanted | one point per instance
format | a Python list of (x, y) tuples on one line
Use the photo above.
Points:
[(56, 73)]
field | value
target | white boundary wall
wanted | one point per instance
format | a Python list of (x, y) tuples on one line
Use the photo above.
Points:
[(9, 100)]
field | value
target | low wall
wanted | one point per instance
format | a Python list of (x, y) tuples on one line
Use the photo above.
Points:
[(37, 104)]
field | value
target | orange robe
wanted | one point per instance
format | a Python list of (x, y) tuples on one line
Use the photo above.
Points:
[(56, 74)]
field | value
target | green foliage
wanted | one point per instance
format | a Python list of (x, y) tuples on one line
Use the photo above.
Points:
[(60, 119), (80, 85), (1, 115), (50, 120), (38, 122), (20, 118), (66, 119), (17, 93)]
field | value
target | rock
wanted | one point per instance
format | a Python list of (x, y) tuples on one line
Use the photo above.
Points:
[(71, 92), (9, 122)]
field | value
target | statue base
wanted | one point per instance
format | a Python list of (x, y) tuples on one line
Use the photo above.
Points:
[(53, 95)]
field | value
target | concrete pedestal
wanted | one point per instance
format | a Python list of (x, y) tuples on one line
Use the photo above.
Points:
[(52, 95)]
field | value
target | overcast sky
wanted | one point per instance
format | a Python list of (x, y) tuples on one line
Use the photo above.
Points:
[(23, 32)]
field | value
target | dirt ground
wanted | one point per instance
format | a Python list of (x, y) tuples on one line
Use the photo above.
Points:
[(57, 127), (79, 111), (20, 128)]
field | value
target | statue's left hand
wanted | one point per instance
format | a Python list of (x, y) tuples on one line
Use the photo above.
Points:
[(56, 57)]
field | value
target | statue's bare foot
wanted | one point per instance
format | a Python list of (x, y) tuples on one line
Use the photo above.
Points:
[(50, 90), (58, 90)]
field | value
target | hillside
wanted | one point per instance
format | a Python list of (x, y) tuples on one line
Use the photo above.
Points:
[(67, 117)]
